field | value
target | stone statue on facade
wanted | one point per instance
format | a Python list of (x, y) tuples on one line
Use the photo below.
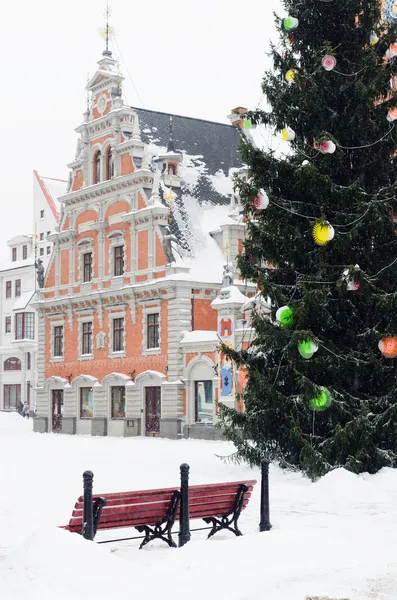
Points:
[(40, 273), (168, 238), (227, 279)]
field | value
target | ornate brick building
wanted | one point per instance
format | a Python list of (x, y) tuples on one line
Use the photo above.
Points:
[(133, 305)]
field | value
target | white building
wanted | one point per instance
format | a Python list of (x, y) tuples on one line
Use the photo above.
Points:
[(18, 321), (46, 191)]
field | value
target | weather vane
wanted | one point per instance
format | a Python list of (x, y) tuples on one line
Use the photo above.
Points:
[(108, 31)]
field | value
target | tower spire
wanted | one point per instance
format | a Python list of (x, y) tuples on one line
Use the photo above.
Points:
[(170, 147), (108, 30)]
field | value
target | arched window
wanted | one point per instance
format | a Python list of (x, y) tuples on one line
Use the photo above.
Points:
[(171, 169), (109, 164), (97, 168), (12, 364)]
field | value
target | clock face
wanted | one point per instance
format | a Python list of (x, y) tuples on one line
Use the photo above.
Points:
[(102, 104)]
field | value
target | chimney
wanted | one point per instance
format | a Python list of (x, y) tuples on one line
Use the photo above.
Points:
[(235, 118)]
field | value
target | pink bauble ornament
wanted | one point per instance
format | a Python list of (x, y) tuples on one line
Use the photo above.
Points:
[(352, 286), (327, 147), (261, 201), (328, 62)]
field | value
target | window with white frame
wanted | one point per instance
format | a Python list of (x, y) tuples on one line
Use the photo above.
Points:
[(86, 337), (57, 335), (8, 325), (24, 326), (118, 334), (87, 267), (152, 330), (118, 261)]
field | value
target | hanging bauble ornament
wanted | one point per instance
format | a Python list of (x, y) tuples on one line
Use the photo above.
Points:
[(307, 348), (285, 316), (322, 401), (353, 286), (389, 54), (305, 163), (323, 232), (261, 201), (393, 49), (392, 114), (327, 147), (288, 134), (388, 347), (373, 38), (290, 75), (290, 23), (328, 62)]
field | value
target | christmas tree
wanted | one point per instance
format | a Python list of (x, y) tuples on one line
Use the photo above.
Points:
[(322, 246)]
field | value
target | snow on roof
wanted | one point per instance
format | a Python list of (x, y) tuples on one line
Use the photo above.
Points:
[(229, 295), (52, 190), (16, 264), (210, 157), (193, 337), (23, 300)]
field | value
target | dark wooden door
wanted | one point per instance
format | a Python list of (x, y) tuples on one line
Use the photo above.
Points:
[(152, 410), (57, 409)]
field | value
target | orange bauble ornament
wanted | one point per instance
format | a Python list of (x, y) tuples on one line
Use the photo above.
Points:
[(388, 347)]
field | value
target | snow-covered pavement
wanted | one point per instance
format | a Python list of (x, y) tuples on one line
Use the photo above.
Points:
[(336, 537)]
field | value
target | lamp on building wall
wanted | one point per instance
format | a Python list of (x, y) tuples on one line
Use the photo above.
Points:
[(69, 378), (132, 375), (215, 369)]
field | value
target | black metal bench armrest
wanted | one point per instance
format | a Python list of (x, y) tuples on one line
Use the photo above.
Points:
[(97, 512), (229, 520)]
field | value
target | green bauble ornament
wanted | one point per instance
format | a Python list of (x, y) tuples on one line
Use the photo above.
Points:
[(307, 348), (322, 401), (285, 316)]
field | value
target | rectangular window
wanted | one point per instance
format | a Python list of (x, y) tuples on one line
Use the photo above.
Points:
[(41, 236), (86, 331), (8, 289), (41, 251), (12, 396), (203, 402), (14, 254), (118, 268), (153, 331), (24, 252), (28, 392), (24, 326), (42, 214), (86, 403), (118, 335), (28, 361), (48, 233), (58, 341), (87, 267), (17, 288), (8, 325), (48, 249), (118, 402)]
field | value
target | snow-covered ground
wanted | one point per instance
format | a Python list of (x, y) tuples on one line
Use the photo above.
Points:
[(336, 537)]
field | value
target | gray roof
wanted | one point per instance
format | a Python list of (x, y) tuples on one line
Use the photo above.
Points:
[(211, 146)]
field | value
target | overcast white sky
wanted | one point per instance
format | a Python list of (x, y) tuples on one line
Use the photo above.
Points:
[(198, 58)]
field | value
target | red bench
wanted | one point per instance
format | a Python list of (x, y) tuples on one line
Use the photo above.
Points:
[(154, 511)]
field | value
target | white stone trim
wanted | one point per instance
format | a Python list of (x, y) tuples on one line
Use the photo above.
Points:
[(85, 319), (145, 312), (111, 317), (53, 324)]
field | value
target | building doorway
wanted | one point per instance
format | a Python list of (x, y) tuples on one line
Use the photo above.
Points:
[(152, 410), (203, 402), (57, 410)]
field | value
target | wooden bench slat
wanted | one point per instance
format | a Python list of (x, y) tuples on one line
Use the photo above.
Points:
[(130, 501), (138, 494)]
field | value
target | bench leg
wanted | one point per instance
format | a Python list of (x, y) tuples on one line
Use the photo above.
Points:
[(97, 510), (162, 530), (229, 521)]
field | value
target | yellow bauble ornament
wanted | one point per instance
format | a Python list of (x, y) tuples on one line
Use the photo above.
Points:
[(323, 232), (290, 75)]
